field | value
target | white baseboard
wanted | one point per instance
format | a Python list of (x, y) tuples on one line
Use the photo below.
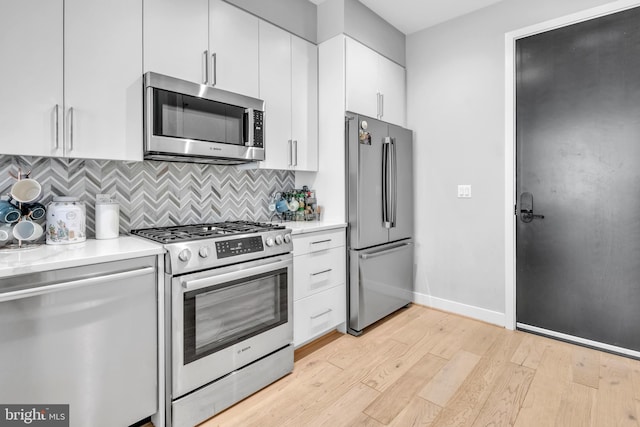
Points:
[(474, 312)]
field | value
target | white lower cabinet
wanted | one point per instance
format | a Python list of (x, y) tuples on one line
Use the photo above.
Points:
[(315, 315), (319, 284)]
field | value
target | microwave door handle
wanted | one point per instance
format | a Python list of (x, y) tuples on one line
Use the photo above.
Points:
[(249, 121)]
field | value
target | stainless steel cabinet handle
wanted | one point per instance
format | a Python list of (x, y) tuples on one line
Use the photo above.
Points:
[(25, 293), (378, 105), (320, 241), (214, 66), (322, 272), (381, 105), (385, 252), (70, 128), (205, 67), (57, 113), (327, 311), (290, 152), (295, 157)]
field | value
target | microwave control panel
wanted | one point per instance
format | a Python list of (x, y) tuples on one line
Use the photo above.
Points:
[(258, 128)]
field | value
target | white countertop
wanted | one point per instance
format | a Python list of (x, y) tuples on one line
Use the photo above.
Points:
[(51, 257), (301, 227)]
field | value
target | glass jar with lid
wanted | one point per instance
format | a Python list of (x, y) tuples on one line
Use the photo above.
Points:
[(66, 221)]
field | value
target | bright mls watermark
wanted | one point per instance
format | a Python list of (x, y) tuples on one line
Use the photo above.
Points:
[(34, 415)]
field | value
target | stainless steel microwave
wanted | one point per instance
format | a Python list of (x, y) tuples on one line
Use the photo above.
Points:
[(190, 122)]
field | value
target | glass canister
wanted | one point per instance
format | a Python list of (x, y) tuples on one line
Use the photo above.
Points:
[(66, 221)]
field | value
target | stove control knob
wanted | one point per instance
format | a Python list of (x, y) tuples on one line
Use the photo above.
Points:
[(287, 238), (269, 242), (184, 255), (278, 239), (203, 252)]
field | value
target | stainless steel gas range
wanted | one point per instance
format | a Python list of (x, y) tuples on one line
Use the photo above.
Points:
[(228, 314)]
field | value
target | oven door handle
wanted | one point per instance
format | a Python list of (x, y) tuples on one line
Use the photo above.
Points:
[(259, 267)]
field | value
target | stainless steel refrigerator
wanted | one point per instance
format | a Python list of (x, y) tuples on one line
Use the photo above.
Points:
[(380, 215)]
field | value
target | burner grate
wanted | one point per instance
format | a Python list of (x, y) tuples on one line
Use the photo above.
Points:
[(185, 233)]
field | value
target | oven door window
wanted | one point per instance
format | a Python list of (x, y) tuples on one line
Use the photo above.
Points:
[(225, 314), (183, 116)]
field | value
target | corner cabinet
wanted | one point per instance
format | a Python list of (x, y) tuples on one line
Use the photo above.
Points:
[(204, 41), (375, 85), (289, 87), (75, 81), (319, 284)]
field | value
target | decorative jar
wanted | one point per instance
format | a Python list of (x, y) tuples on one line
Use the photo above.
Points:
[(66, 221)]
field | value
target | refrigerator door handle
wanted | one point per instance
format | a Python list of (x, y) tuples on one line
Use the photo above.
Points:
[(394, 183), (385, 251), (386, 183)]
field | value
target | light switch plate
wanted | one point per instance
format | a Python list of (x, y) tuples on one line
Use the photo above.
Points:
[(464, 191)]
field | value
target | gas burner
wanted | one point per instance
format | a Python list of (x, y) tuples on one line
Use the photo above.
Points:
[(186, 233)]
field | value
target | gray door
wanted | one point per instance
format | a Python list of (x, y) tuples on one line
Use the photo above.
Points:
[(365, 181), (403, 198), (578, 164)]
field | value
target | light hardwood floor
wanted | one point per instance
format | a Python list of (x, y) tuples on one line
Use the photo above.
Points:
[(422, 367)]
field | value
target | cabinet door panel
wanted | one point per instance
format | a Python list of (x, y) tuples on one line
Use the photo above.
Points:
[(362, 79), (304, 110), (234, 41), (275, 90), (103, 79), (392, 86), (31, 50), (315, 272), (176, 34), (318, 314)]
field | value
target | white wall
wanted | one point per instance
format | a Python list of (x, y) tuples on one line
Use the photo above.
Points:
[(455, 105)]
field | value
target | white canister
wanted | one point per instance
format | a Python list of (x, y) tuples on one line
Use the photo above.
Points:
[(66, 221), (107, 217)]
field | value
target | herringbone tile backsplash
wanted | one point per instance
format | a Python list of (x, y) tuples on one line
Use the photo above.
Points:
[(154, 193)]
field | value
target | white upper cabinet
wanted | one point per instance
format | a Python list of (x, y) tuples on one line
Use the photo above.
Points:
[(392, 87), (31, 90), (203, 41), (375, 86), (275, 90), (304, 103), (362, 79), (72, 90), (103, 79), (176, 38), (234, 49), (289, 87)]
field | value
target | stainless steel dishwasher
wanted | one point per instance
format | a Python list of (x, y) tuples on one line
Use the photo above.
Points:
[(84, 336)]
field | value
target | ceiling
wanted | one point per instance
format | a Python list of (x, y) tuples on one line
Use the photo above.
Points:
[(410, 16)]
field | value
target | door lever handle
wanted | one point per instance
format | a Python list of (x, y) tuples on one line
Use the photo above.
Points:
[(528, 215), (526, 208)]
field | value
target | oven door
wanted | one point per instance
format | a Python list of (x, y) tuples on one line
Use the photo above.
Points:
[(225, 318)]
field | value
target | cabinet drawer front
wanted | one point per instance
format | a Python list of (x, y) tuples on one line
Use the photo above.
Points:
[(318, 241), (315, 272), (318, 314)]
